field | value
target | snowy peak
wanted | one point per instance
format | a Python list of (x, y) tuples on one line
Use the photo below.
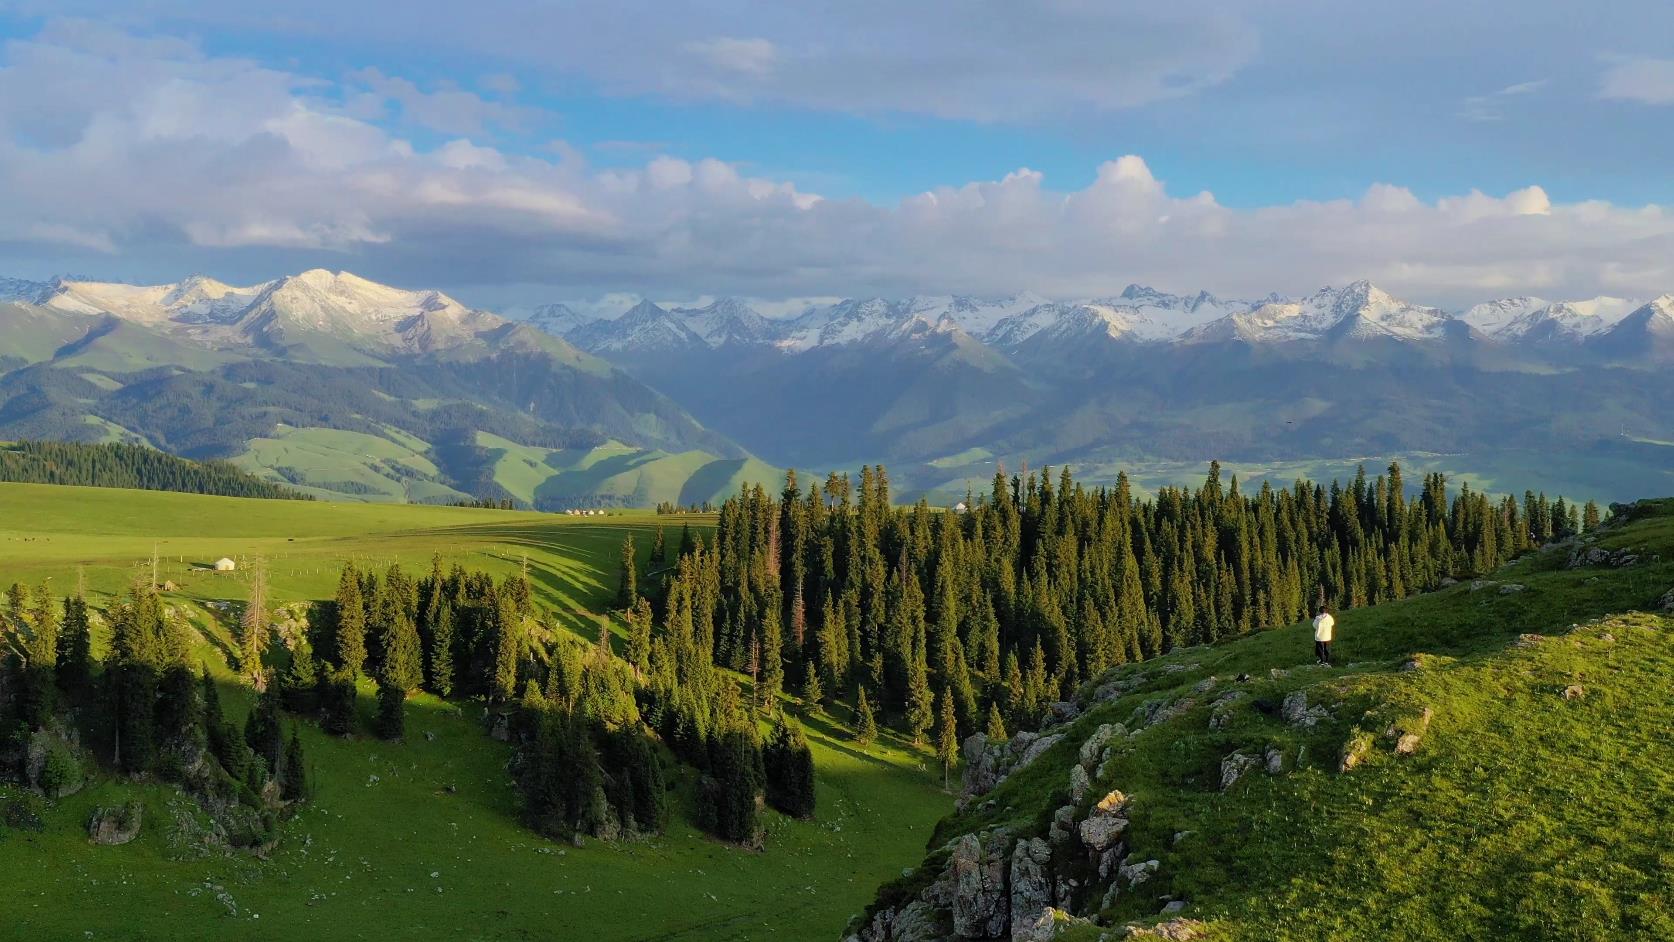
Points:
[(358, 314), (727, 321), (25, 291), (1358, 311), (643, 328), (557, 319)]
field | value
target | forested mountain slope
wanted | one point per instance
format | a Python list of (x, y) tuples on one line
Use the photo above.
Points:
[(1490, 760), (135, 466)]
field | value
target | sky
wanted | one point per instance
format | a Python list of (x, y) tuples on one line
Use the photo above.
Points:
[(513, 153)]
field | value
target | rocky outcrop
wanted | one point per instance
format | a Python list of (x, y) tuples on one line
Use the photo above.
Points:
[(114, 826), (1031, 883), (981, 908), (1355, 750), (1666, 603), (989, 763), (1105, 823), (1585, 556)]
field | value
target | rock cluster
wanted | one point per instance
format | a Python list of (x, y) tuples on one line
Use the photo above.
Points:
[(1585, 556), (1234, 766)]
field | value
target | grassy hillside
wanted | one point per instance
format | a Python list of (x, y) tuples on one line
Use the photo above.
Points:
[(1534, 806), (420, 837)]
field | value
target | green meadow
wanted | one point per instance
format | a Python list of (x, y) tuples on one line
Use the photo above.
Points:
[(419, 837)]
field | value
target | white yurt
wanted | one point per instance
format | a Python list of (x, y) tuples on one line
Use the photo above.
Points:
[(225, 565)]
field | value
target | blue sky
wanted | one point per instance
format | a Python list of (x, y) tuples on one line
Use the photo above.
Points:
[(518, 151)]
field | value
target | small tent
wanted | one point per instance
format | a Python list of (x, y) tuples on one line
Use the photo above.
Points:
[(225, 565)]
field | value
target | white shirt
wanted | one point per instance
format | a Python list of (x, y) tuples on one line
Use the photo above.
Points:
[(1323, 623)]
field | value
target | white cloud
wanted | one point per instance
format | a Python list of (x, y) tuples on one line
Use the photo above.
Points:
[(154, 157), (753, 57), (1650, 81)]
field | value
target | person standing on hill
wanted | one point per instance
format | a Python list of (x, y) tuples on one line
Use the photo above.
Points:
[(1324, 625)]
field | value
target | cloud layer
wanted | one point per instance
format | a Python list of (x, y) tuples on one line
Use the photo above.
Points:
[(149, 155)]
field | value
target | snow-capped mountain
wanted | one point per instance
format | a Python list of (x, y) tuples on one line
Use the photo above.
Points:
[(1359, 311), (338, 308), (1644, 334), (1566, 322), (24, 290), (1490, 317), (558, 319), (727, 321), (644, 328)]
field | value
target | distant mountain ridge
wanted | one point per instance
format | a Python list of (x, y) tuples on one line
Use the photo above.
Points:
[(1139, 314)]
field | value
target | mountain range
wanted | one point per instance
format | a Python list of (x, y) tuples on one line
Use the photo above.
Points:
[(333, 382), (344, 387), (946, 387)]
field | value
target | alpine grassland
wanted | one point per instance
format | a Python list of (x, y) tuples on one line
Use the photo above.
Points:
[(1493, 760), (422, 837)]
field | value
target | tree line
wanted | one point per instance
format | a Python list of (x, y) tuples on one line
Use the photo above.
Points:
[(134, 466), (987, 615)]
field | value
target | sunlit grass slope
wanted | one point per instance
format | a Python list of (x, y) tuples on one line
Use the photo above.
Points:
[(419, 839)]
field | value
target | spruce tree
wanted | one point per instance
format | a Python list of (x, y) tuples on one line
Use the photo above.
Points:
[(947, 738), (996, 724), (640, 618), (349, 626), (659, 549), (402, 666), (507, 638), (293, 784), (75, 647), (865, 724), (298, 687), (812, 692), (439, 662), (263, 732), (627, 588)]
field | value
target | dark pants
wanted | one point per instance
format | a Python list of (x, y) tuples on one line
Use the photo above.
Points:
[(1322, 651)]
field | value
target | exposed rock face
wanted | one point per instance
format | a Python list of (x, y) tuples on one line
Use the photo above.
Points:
[(1031, 886), (1512, 588), (1078, 783), (987, 764), (981, 909), (1234, 766), (1275, 760), (113, 826), (1408, 735), (1667, 601), (1093, 750)]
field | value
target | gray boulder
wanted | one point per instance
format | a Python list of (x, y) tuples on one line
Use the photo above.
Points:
[(1234, 766)]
